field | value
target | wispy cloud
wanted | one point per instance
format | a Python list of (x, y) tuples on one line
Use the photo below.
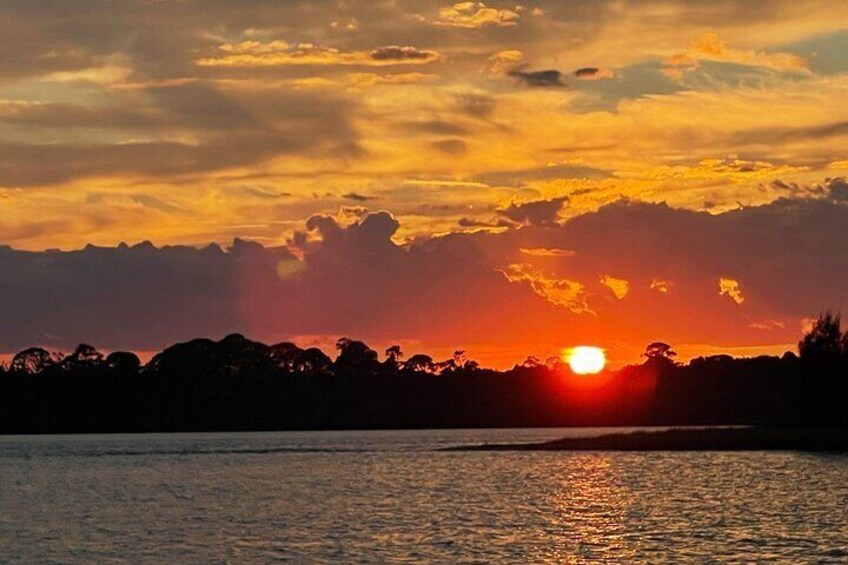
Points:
[(278, 53), (709, 47)]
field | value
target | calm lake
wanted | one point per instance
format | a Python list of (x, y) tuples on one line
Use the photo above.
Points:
[(389, 497)]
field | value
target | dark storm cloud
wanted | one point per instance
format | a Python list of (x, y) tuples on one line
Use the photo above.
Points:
[(136, 286), (537, 213), (837, 189), (356, 279), (543, 79)]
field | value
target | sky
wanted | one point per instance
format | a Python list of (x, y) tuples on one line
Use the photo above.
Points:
[(509, 179)]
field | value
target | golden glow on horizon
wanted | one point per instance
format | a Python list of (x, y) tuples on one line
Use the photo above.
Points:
[(586, 360)]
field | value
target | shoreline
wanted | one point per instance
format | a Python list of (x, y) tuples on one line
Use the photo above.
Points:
[(829, 440)]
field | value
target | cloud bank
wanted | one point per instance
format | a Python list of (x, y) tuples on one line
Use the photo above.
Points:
[(743, 277)]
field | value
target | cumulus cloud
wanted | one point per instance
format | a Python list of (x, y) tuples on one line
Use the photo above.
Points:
[(502, 62), (476, 15)]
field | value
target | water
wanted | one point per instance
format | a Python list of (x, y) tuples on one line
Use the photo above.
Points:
[(387, 497)]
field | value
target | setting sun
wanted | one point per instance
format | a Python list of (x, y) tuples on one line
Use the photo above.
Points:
[(586, 360)]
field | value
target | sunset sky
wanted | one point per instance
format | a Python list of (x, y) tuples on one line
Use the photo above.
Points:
[(511, 179)]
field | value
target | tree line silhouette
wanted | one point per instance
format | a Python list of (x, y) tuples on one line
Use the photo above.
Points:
[(239, 384)]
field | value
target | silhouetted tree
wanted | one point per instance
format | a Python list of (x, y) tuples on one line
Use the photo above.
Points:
[(85, 357), (659, 350), (459, 357), (394, 355), (285, 356), (461, 362), (355, 357), (420, 363), (188, 358), (289, 358), (123, 362), (470, 366), (531, 362), (33, 361), (315, 361), (824, 341), (239, 356)]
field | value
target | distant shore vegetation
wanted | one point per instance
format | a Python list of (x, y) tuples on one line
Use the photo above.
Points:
[(240, 384)]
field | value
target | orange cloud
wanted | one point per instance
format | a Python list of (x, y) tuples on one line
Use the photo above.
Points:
[(547, 252), (660, 285), (709, 47), (767, 325), (505, 61), (475, 15), (364, 80), (619, 287), (277, 53), (561, 292), (731, 288)]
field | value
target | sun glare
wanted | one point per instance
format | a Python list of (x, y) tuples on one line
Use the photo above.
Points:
[(586, 360)]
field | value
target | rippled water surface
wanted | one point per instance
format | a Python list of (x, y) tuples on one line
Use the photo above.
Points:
[(385, 497)]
